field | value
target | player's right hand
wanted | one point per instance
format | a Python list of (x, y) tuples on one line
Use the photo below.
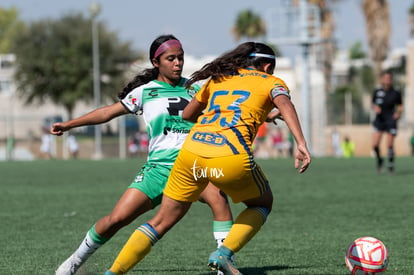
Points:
[(58, 129), (302, 158)]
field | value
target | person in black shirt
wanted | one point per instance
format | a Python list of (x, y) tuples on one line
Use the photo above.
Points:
[(387, 105)]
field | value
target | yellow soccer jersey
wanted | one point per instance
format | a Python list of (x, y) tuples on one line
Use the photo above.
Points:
[(236, 107)]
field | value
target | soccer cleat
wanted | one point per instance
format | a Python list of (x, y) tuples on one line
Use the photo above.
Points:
[(70, 266), (219, 272), (221, 260)]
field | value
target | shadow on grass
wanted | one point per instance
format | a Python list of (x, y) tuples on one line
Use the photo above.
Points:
[(245, 271), (260, 270), (264, 269), (403, 172)]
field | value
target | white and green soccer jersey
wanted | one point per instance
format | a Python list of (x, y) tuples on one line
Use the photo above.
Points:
[(161, 106)]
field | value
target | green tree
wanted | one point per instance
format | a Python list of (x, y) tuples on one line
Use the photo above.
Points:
[(361, 76), (54, 61), (345, 96), (248, 25), (359, 85), (10, 26), (356, 51)]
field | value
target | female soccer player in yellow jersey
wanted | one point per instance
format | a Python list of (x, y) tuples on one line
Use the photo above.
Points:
[(159, 94), (236, 100)]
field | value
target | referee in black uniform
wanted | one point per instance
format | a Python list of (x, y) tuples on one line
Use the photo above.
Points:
[(387, 105)]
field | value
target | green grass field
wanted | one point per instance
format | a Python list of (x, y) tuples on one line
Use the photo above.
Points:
[(48, 206)]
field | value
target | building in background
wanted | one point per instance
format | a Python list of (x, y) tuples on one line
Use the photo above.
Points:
[(23, 122)]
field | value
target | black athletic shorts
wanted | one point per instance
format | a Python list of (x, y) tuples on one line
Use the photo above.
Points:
[(385, 125)]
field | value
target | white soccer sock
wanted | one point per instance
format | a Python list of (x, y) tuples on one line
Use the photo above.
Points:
[(85, 249), (219, 237)]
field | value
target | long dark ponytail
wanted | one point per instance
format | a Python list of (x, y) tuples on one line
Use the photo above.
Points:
[(149, 74), (243, 56)]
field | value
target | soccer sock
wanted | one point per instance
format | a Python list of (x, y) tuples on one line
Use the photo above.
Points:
[(377, 152), (89, 245), (378, 156), (135, 249), (247, 224), (220, 230), (391, 158)]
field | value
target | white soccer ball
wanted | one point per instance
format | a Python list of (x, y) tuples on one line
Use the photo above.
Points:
[(366, 256)]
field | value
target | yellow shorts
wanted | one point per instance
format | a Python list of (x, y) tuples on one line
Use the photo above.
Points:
[(238, 176)]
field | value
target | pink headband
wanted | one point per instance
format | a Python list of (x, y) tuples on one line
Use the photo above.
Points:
[(167, 44)]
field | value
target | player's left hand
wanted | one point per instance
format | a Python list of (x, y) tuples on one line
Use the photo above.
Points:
[(273, 116)]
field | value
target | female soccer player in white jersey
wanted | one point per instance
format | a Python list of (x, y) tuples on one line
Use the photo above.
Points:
[(237, 99), (160, 95)]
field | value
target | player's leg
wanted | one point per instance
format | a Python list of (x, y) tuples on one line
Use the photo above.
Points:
[(132, 204), (222, 216), (391, 152), (245, 227), (145, 236), (249, 221), (376, 139), (145, 193), (179, 193), (243, 181)]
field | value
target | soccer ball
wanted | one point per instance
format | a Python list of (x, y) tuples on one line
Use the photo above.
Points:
[(366, 256)]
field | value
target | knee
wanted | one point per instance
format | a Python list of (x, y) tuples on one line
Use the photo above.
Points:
[(214, 198), (116, 220), (268, 201), (265, 201), (263, 211)]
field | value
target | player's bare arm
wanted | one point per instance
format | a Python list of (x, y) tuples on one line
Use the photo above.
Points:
[(193, 110), (289, 114), (98, 116), (398, 112)]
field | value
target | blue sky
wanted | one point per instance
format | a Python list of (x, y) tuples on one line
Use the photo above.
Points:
[(204, 27)]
